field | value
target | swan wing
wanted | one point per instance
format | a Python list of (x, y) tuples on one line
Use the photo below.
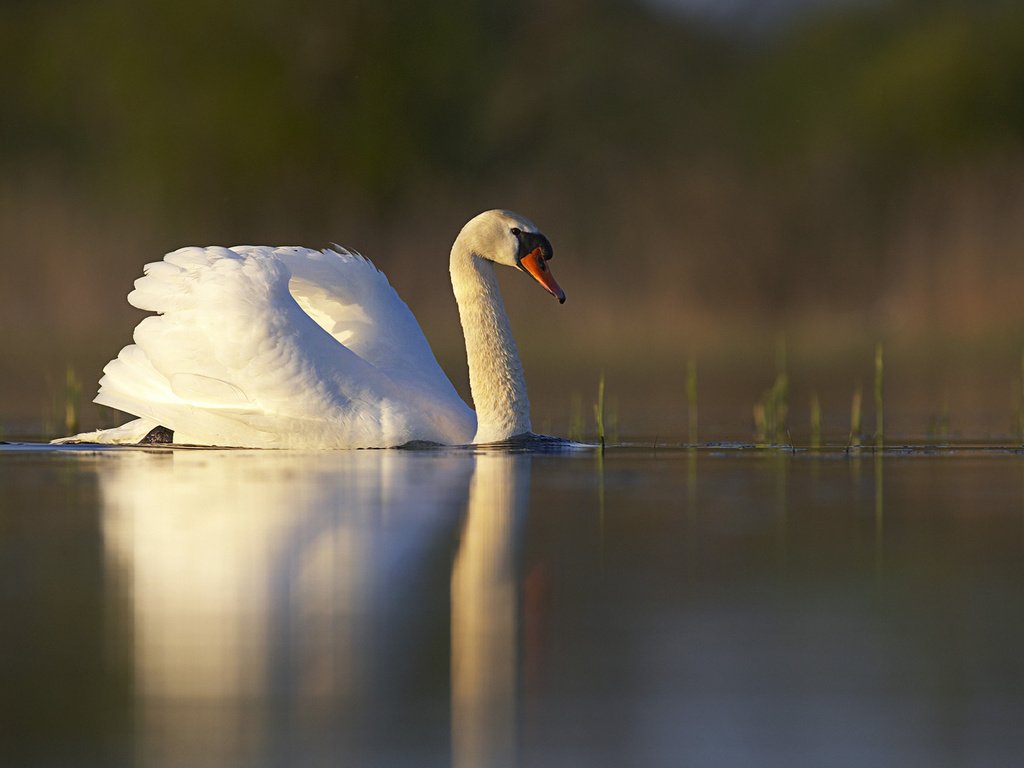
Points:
[(353, 301), (232, 358)]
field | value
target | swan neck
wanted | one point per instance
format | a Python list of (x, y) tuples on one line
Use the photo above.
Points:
[(495, 372)]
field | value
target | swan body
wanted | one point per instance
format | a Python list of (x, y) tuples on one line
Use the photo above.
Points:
[(289, 347)]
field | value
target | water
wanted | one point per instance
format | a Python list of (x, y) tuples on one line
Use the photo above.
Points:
[(174, 607)]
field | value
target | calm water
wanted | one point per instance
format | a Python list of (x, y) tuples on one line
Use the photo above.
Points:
[(174, 607)]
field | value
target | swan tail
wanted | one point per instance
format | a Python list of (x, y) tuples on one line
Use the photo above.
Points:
[(131, 383), (130, 379), (198, 295), (131, 433)]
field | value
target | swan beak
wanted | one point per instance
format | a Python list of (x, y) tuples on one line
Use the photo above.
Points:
[(537, 266)]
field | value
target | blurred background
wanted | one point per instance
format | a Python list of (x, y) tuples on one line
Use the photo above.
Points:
[(721, 181)]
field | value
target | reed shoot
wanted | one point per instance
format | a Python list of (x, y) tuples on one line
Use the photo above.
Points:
[(576, 417), (879, 412), (72, 399), (815, 422), (691, 398), (599, 411), (938, 426), (611, 419), (1020, 402), (771, 412), (855, 419)]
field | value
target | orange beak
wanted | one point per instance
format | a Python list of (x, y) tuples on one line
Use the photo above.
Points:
[(535, 264)]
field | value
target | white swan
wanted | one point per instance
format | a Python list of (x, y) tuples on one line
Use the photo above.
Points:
[(295, 348)]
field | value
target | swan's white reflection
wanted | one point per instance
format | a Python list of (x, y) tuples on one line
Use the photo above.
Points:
[(300, 608), (485, 615)]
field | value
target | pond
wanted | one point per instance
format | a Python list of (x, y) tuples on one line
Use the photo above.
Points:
[(648, 607)]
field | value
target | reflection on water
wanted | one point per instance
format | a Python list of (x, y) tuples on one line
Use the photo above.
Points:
[(407, 608), (485, 607), (291, 613)]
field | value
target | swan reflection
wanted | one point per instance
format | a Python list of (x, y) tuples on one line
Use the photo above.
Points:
[(485, 614), (294, 608)]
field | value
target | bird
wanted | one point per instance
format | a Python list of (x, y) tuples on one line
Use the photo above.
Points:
[(290, 347)]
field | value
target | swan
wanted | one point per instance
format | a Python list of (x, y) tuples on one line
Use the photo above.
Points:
[(289, 347)]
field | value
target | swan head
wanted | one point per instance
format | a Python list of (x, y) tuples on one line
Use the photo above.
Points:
[(507, 238)]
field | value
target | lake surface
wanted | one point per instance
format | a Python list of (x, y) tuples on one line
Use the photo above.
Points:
[(654, 607)]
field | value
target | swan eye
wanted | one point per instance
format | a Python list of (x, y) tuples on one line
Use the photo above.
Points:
[(517, 231)]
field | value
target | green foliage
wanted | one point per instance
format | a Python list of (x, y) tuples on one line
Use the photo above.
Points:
[(216, 100), (240, 106), (899, 83)]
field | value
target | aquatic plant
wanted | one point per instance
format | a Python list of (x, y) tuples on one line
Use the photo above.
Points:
[(72, 399), (879, 409), (771, 411), (855, 419), (576, 417), (691, 399), (599, 411), (611, 419), (815, 422), (1020, 402), (938, 425)]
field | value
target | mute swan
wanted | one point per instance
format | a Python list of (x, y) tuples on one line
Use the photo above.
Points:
[(294, 348)]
